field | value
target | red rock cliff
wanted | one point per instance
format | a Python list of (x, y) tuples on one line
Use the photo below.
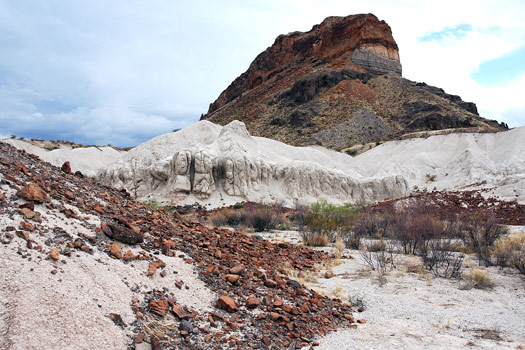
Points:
[(360, 42)]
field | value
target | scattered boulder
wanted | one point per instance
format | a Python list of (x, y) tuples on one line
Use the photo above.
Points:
[(121, 233), (66, 167), (33, 192), (116, 251), (54, 254), (227, 303)]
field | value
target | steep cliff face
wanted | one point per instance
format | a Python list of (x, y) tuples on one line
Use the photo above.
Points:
[(334, 41), (337, 85)]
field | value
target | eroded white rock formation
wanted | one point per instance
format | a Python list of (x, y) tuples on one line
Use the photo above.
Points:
[(224, 165)]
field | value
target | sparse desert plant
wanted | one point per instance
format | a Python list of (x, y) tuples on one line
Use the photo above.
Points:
[(262, 218), (379, 260), (324, 222), (153, 204), (479, 279), (314, 239), (480, 233), (440, 260), (227, 217), (412, 264), (510, 252)]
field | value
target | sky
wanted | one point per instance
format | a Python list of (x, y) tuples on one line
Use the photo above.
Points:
[(123, 71)]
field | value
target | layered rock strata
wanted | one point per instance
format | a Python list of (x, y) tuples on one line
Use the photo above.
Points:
[(313, 87)]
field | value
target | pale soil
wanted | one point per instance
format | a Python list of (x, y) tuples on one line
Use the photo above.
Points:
[(87, 160), (414, 310), (69, 309)]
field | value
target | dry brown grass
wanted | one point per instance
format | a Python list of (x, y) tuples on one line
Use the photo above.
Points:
[(479, 279), (510, 251)]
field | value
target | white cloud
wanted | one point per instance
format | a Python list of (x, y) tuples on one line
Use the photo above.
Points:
[(118, 72)]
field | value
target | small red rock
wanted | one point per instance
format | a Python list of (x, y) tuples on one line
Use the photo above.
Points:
[(116, 250), (252, 302), (227, 303), (179, 312), (266, 341), (270, 283), (159, 307), (232, 278), (54, 254), (33, 192), (66, 167), (237, 270)]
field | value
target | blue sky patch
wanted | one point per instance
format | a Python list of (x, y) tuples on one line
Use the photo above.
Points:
[(501, 70), (457, 32)]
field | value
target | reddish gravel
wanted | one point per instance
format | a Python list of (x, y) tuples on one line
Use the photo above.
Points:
[(461, 203), (281, 313)]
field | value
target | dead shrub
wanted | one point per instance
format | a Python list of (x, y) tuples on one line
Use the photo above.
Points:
[(415, 230), (440, 259), (381, 259)]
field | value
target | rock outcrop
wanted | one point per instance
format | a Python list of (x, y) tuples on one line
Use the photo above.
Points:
[(308, 86), (222, 165)]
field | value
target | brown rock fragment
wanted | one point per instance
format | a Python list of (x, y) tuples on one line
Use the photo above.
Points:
[(27, 226), (237, 270), (232, 278), (116, 251), (252, 302), (33, 192), (159, 307), (227, 303), (270, 283), (66, 167), (128, 256), (54, 254), (179, 312)]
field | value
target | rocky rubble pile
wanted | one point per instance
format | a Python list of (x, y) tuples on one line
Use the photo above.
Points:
[(250, 303)]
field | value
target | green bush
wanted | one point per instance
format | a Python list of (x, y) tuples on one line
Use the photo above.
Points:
[(323, 222)]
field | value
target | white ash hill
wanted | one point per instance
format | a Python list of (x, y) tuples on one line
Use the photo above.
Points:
[(87, 160), (491, 161), (220, 165)]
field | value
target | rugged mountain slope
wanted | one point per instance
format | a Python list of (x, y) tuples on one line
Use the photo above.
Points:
[(85, 266), (338, 85)]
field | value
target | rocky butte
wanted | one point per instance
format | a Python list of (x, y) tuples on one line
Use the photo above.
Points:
[(339, 85)]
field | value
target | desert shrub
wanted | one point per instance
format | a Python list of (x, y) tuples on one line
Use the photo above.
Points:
[(262, 218), (510, 252), (479, 279), (414, 231), (314, 239), (379, 256), (153, 204), (372, 224), (376, 246), (227, 217), (440, 259), (480, 233), (412, 264), (324, 222)]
